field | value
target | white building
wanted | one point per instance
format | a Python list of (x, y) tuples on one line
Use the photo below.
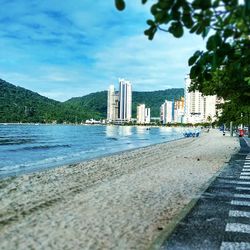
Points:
[(210, 107), (112, 104), (198, 108), (166, 112), (179, 110), (147, 116), (119, 104), (143, 114), (125, 100)]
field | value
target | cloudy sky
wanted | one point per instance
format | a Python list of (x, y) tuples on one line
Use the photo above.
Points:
[(62, 49)]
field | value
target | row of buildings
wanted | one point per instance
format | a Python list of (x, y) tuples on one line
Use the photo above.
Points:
[(192, 108)]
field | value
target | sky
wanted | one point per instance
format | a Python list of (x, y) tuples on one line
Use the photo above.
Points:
[(63, 49)]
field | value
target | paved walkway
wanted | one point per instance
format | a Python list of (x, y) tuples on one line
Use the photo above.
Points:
[(221, 217)]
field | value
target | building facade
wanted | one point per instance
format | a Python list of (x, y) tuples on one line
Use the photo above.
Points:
[(119, 104), (198, 108), (166, 112), (147, 116), (179, 110), (125, 100), (143, 114)]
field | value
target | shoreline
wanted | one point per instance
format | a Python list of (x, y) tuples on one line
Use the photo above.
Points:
[(83, 161), (116, 202)]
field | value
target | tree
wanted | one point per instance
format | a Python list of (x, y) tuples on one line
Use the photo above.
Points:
[(224, 67)]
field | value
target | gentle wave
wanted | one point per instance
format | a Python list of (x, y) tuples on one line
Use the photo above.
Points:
[(112, 139), (52, 161), (41, 147), (15, 141)]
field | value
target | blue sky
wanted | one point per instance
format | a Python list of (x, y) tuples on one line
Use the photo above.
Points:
[(64, 49)]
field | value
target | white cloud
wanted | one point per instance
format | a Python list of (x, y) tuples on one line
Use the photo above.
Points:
[(64, 49)]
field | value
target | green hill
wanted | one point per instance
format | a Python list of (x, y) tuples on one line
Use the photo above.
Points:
[(98, 101), (21, 105)]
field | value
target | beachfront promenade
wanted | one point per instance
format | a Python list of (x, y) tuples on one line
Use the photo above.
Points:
[(123, 201), (221, 217)]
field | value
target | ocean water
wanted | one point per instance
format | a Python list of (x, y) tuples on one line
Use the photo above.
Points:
[(30, 148)]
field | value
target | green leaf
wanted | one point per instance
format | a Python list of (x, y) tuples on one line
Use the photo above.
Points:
[(154, 9), (187, 20), (200, 29), (228, 32), (150, 32), (207, 76), (205, 4), (193, 58), (210, 43), (205, 32), (201, 4), (150, 22), (176, 29), (176, 15), (143, 1), (120, 4), (214, 42), (166, 5), (196, 4), (194, 72), (195, 27)]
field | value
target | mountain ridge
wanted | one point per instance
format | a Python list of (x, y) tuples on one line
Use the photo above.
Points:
[(18, 104)]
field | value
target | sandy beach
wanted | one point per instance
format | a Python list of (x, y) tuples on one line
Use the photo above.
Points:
[(116, 202)]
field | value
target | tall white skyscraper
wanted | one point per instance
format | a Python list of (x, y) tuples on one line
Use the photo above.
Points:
[(179, 110), (166, 112), (147, 115), (210, 107), (143, 114), (125, 100), (112, 104), (119, 104)]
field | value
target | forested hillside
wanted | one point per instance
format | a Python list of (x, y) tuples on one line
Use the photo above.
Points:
[(98, 101), (21, 105)]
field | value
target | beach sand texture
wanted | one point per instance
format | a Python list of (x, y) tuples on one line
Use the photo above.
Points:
[(115, 202)]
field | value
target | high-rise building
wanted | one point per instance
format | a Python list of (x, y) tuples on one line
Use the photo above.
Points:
[(166, 112), (198, 108), (147, 115), (119, 104), (125, 100), (143, 114), (210, 107), (179, 110), (111, 103)]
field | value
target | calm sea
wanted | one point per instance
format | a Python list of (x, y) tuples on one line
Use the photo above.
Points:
[(30, 148)]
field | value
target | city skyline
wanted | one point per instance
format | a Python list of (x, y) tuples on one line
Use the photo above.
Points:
[(193, 107), (64, 50)]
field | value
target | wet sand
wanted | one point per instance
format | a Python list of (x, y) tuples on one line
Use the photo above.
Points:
[(115, 202)]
